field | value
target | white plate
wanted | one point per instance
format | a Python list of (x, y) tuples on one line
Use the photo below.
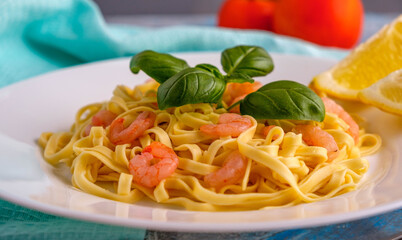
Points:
[(49, 103)]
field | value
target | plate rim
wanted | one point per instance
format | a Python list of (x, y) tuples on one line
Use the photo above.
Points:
[(188, 226), (201, 226)]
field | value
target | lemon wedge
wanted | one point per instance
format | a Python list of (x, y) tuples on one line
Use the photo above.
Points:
[(366, 64), (385, 94)]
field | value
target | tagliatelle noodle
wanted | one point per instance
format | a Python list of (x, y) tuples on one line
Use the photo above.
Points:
[(281, 169)]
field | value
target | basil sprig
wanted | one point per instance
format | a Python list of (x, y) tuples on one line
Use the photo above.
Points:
[(283, 100), (210, 68), (159, 66), (204, 83), (192, 85), (181, 85), (251, 61)]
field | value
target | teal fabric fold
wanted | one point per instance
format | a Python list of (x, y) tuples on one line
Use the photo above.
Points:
[(38, 36), (17, 222), (42, 35)]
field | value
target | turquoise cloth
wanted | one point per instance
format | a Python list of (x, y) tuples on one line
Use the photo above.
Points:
[(17, 222), (38, 36)]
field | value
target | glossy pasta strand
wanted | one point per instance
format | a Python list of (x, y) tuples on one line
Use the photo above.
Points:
[(276, 168)]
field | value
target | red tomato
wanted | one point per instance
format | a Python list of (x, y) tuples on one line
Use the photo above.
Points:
[(247, 14), (335, 23)]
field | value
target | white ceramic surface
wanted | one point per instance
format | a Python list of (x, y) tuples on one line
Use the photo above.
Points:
[(49, 103)]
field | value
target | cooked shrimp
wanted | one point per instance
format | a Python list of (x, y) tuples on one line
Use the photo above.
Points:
[(231, 172), (236, 109), (119, 135), (229, 124), (266, 130), (315, 136), (332, 107), (102, 118), (237, 91), (155, 163)]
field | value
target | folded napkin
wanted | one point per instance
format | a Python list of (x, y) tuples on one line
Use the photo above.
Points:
[(38, 36)]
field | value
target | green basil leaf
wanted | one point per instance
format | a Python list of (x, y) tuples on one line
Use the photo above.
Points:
[(250, 60), (210, 68), (284, 100), (192, 85), (159, 66), (239, 78)]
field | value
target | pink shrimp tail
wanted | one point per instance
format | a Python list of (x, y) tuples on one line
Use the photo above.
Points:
[(267, 129), (315, 136), (233, 169), (332, 107), (238, 91), (119, 135), (236, 109), (151, 174), (229, 124), (102, 118)]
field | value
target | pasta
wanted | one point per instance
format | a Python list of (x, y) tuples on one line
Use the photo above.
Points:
[(280, 168)]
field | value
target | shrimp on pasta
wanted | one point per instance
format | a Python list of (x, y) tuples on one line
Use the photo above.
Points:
[(204, 158), (121, 135), (150, 174), (237, 91), (229, 124), (232, 171)]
